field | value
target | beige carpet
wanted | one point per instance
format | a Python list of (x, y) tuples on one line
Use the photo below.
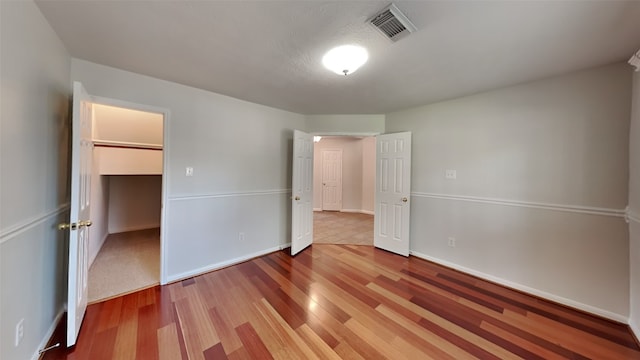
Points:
[(333, 227), (127, 262)]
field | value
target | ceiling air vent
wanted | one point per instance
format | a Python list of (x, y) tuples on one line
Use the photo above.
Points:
[(392, 23)]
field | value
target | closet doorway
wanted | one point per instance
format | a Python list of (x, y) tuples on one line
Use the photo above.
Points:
[(126, 201), (344, 171)]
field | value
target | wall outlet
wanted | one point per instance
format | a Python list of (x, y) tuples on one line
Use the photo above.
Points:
[(188, 171), (241, 236), (450, 174), (19, 332), (451, 241)]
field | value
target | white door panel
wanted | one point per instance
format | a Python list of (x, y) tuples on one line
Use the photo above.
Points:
[(393, 192), (302, 192), (81, 155), (332, 180)]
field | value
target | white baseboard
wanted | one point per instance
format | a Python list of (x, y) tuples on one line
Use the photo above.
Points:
[(224, 264), (350, 210), (134, 228), (317, 209), (49, 334), (543, 294), (634, 329), (357, 211)]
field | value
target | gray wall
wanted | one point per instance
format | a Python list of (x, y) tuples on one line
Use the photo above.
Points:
[(634, 205), (338, 124), (530, 160), (240, 153), (34, 138)]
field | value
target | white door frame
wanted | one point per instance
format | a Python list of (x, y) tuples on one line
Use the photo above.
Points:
[(165, 165)]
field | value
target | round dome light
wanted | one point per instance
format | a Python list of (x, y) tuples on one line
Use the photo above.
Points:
[(345, 59)]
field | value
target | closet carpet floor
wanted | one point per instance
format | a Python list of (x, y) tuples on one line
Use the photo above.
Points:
[(334, 227), (126, 263)]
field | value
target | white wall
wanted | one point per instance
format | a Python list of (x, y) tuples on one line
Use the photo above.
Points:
[(241, 155), (115, 124), (634, 205), (99, 209), (134, 202), (34, 140), (370, 124), (368, 173), (561, 141)]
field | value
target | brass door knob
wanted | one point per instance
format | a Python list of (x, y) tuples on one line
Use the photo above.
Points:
[(86, 223), (297, 198), (65, 226), (74, 226), (404, 199)]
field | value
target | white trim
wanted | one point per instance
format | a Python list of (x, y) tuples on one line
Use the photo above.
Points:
[(224, 264), (49, 334), (535, 205), (345, 133), (15, 230), (350, 210), (129, 105), (358, 211), (127, 144), (634, 329), (632, 216), (317, 209), (543, 294), (233, 194), (134, 228)]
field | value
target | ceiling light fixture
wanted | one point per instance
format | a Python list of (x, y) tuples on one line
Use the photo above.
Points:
[(345, 59)]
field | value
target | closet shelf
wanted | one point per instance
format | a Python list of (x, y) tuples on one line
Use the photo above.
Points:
[(126, 144), (127, 160)]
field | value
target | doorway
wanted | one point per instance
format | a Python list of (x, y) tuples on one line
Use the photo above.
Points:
[(126, 197), (344, 185)]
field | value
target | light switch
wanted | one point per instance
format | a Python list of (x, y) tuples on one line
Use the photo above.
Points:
[(189, 171), (450, 174)]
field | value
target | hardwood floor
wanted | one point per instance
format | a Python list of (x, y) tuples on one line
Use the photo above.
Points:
[(341, 302)]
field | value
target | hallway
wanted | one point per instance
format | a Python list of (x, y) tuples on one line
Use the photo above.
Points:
[(333, 227)]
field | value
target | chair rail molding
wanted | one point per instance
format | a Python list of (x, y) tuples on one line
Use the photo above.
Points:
[(527, 204)]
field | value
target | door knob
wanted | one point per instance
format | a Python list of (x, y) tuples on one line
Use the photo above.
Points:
[(404, 199), (74, 226), (86, 223), (65, 226), (297, 198)]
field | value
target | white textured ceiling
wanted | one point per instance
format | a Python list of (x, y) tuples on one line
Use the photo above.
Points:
[(270, 52)]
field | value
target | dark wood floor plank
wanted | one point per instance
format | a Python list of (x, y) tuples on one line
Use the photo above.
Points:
[(216, 352), (341, 302), (252, 343), (625, 341)]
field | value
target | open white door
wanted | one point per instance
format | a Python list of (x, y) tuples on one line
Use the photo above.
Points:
[(302, 192), (81, 153), (393, 192), (332, 180)]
